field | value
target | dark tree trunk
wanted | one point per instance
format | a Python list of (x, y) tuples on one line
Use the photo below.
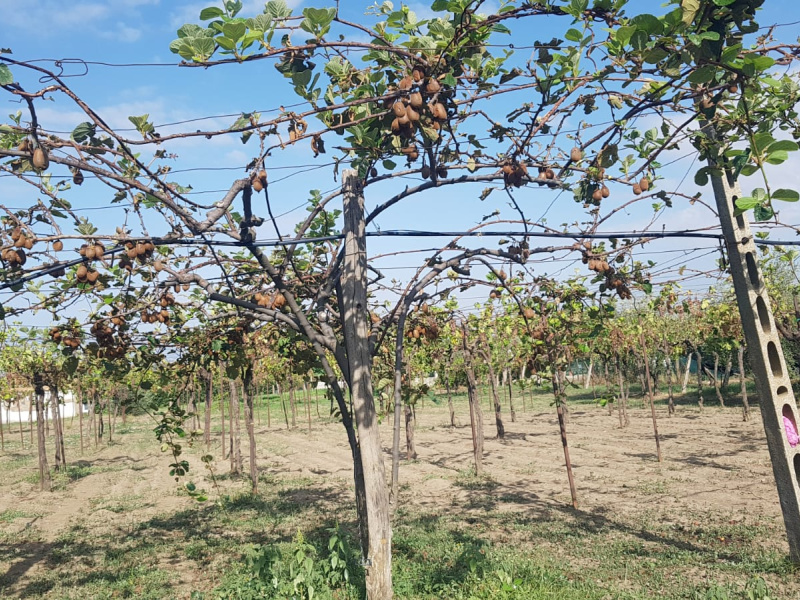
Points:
[(209, 391), (510, 397), (493, 383), (411, 451), (699, 358), (251, 435), (235, 450), (475, 412), (650, 396), (561, 398), (44, 470), (450, 406)]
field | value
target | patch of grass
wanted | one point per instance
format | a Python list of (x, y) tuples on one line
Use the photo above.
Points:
[(466, 479), (8, 515)]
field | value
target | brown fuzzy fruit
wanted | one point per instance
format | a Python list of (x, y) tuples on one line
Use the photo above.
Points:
[(441, 172), (549, 174), (605, 192), (77, 178), (92, 276), (40, 159), (257, 186), (644, 184), (396, 126), (636, 189), (597, 195), (433, 86), (575, 155), (399, 109), (418, 74), (415, 100), (81, 272), (405, 83), (425, 172), (90, 252), (439, 111), (58, 245), (28, 243)]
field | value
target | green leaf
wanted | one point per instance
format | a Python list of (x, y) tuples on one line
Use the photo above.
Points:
[(777, 157), (690, 9), (389, 165), (6, 77), (785, 145), (234, 31), (747, 202), (71, 365), (226, 43), (212, 12), (83, 131), (702, 75), (573, 35), (786, 195)]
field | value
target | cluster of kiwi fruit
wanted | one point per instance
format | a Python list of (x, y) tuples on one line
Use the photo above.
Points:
[(595, 263), (162, 315), (140, 250), (641, 186), (259, 181), (515, 173), (418, 105), (109, 346), (85, 274), (273, 300), (90, 251), (519, 250), (39, 158), (547, 173), (68, 337)]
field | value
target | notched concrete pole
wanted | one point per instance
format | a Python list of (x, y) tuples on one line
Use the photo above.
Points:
[(775, 395)]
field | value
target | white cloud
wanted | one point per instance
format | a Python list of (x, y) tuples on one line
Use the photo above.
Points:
[(44, 15)]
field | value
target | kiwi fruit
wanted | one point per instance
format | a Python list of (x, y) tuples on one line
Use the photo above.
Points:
[(91, 276), (257, 186), (433, 86), (399, 109), (77, 178), (636, 189), (441, 172), (81, 272), (58, 246), (425, 172), (396, 126), (405, 83), (418, 74), (549, 174), (412, 115), (644, 184), (40, 159), (576, 155), (438, 111), (415, 100), (24, 145), (28, 243), (597, 195)]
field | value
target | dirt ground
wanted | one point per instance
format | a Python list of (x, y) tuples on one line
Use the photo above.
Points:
[(713, 464)]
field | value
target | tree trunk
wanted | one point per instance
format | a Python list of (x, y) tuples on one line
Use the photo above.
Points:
[(293, 404), (378, 559), (671, 402), (686, 373), (716, 380), (493, 383), (222, 418), (743, 382), (475, 412), (588, 381), (44, 470), (510, 397), (251, 434), (726, 377), (450, 406), (699, 358), (622, 408), (560, 396), (650, 396), (411, 451), (308, 405), (235, 450), (21, 433), (209, 379)]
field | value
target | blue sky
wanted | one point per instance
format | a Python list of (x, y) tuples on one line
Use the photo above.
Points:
[(139, 31)]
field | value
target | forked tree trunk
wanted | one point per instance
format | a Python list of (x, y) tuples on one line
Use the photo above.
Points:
[(743, 382)]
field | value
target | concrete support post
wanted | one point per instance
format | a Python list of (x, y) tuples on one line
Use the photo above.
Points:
[(775, 395)]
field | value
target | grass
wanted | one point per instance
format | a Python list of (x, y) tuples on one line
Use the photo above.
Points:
[(470, 550)]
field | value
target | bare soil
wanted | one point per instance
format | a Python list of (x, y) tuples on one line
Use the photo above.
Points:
[(715, 469)]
